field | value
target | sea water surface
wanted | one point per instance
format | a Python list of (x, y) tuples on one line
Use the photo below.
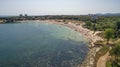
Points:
[(40, 45)]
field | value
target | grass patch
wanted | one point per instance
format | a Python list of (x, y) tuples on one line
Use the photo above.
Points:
[(108, 64), (103, 51)]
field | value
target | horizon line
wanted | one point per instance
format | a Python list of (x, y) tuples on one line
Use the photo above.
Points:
[(58, 14)]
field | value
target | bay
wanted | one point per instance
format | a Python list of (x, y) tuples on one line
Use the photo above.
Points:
[(40, 45)]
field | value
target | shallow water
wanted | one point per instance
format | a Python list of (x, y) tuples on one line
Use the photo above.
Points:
[(40, 45)]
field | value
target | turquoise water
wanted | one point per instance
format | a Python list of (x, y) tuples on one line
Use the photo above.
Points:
[(40, 45)]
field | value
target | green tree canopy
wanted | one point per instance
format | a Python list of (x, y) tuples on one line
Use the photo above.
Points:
[(117, 29), (116, 50), (118, 25), (109, 33)]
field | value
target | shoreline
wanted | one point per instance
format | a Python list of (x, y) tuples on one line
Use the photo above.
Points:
[(92, 38)]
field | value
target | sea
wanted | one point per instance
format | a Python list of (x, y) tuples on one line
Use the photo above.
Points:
[(40, 44)]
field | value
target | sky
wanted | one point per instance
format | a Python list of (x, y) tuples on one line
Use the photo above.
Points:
[(58, 7)]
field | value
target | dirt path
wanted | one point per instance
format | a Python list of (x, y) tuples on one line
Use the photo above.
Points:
[(102, 60)]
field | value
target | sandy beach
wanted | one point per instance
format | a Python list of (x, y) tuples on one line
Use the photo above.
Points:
[(90, 35)]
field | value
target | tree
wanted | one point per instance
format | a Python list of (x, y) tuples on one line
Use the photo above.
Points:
[(26, 15), (94, 21), (88, 23), (118, 25), (116, 52), (21, 15), (117, 30), (109, 33)]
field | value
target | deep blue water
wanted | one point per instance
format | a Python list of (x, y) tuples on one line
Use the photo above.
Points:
[(40, 45)]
